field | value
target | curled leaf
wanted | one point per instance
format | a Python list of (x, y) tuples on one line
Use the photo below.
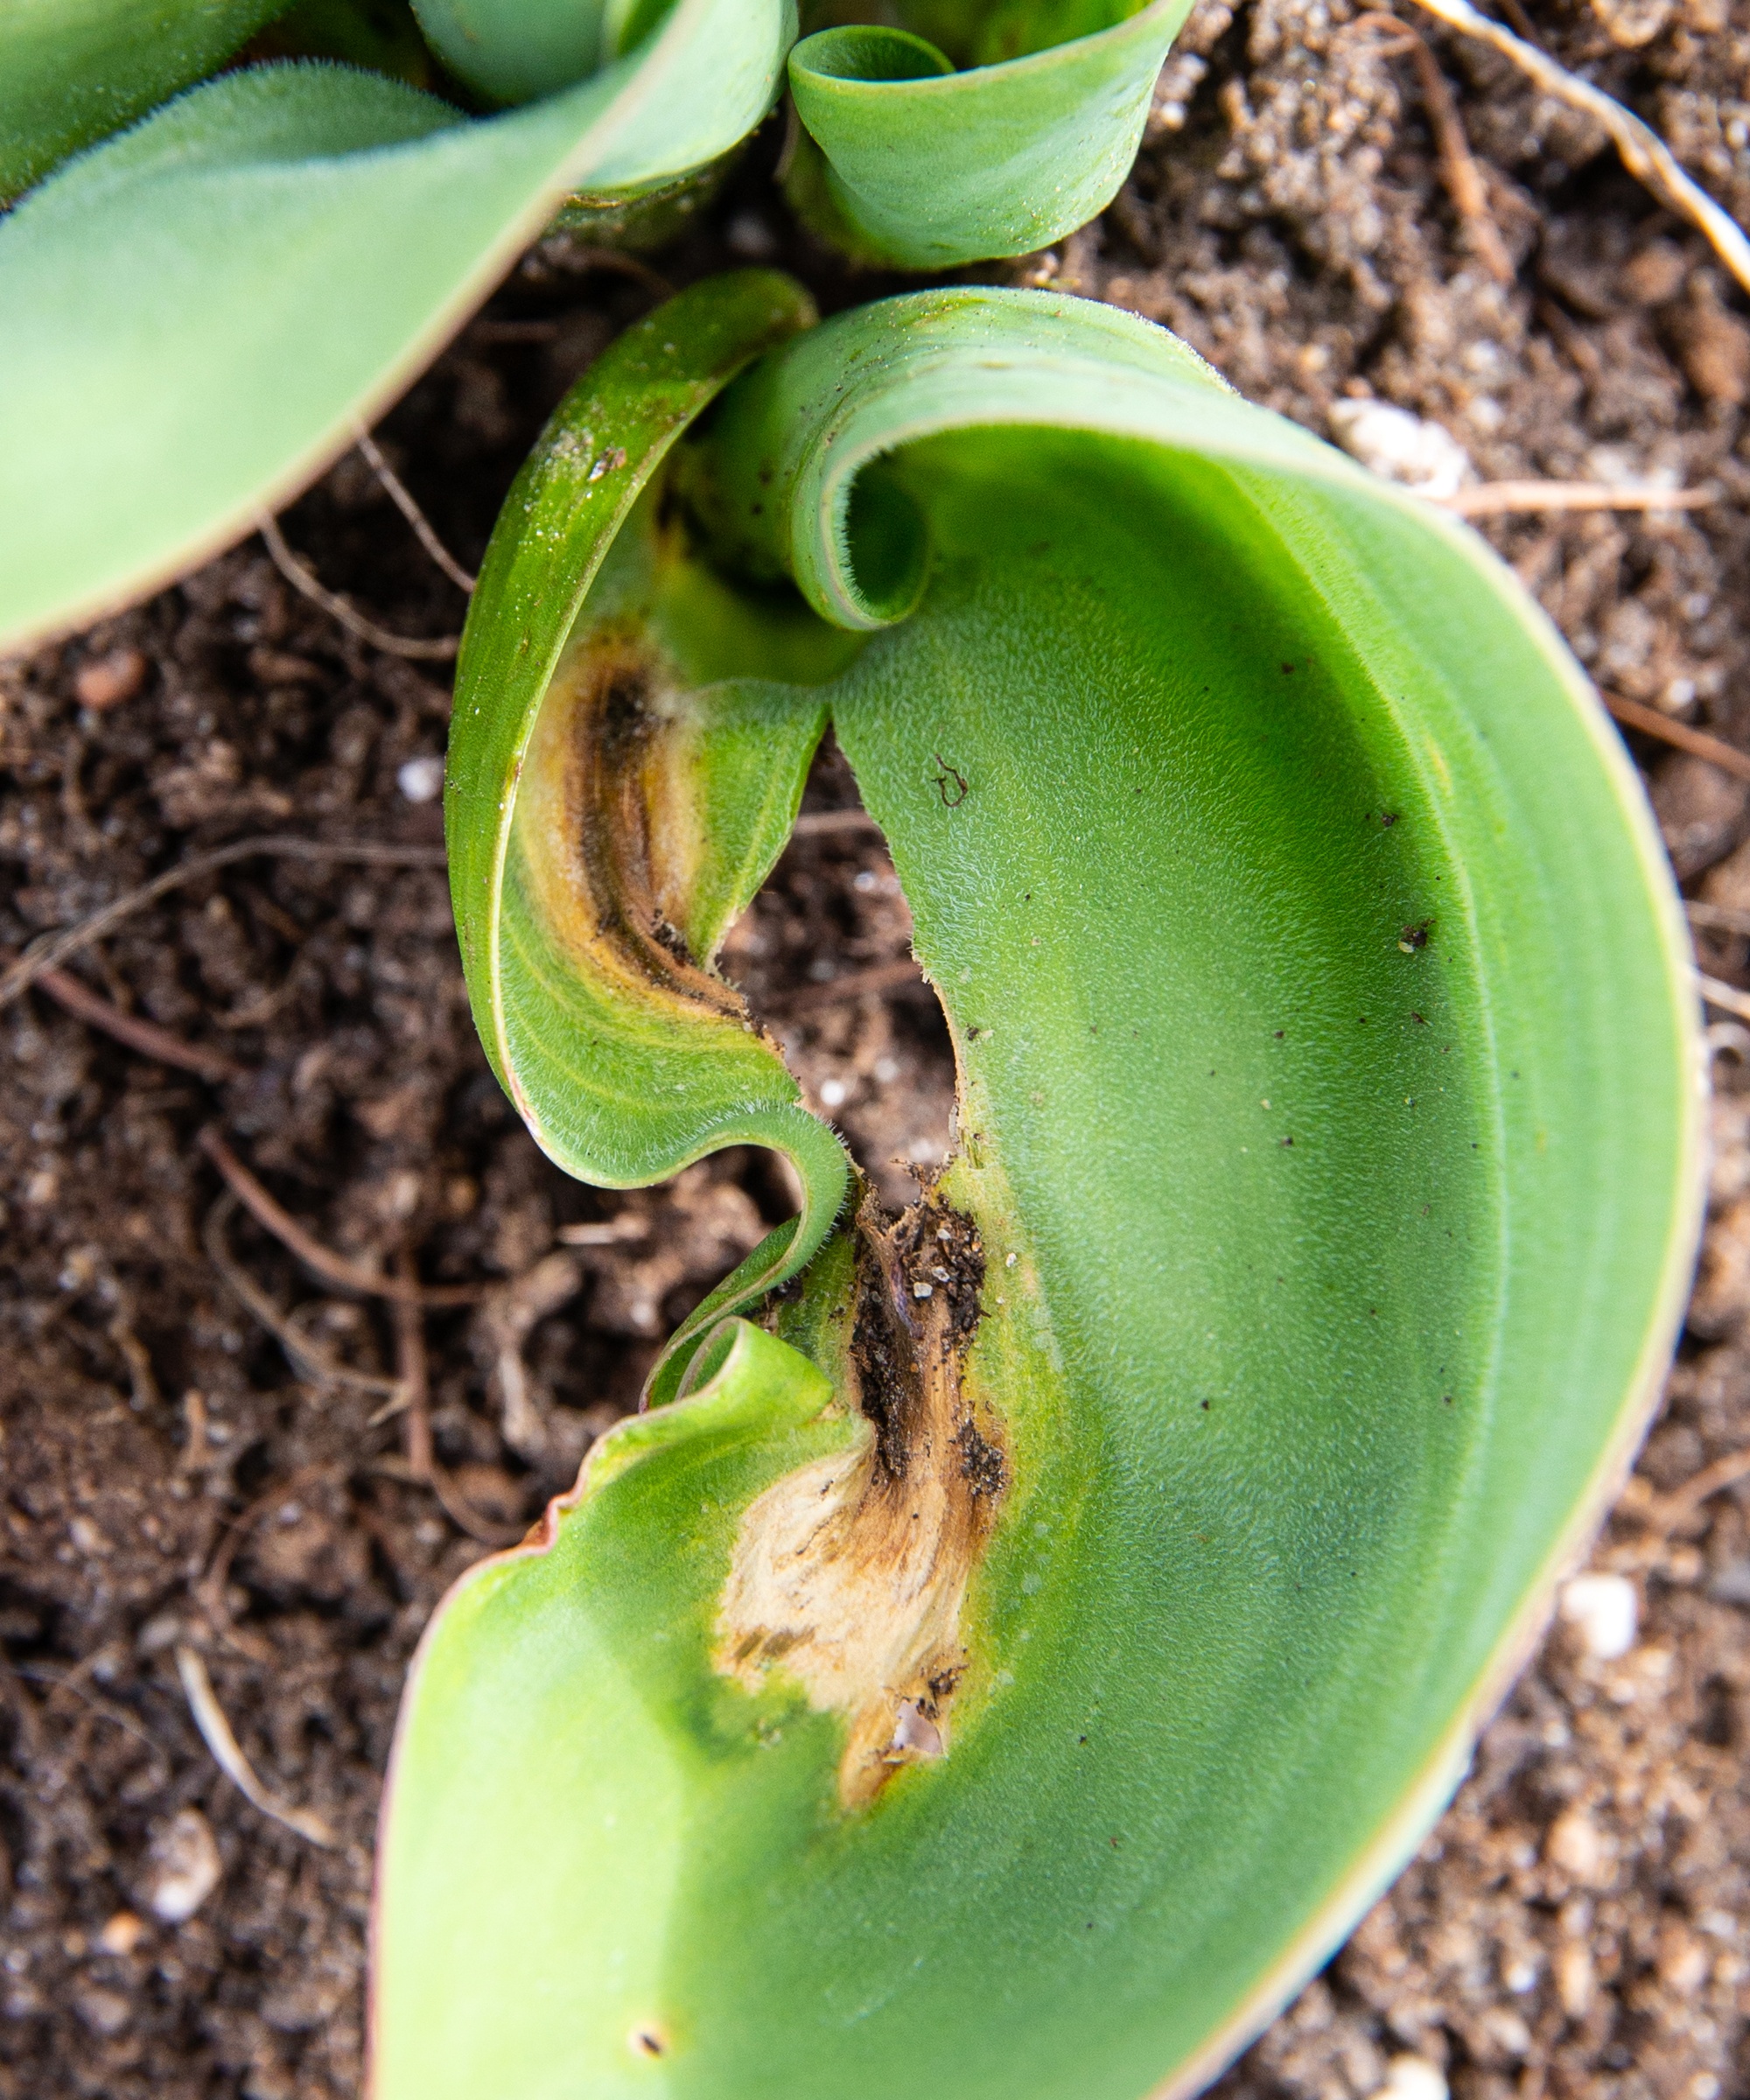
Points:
[(1295, 1296), (907, 160)]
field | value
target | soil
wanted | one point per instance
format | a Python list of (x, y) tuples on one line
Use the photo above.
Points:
[(183, 1490)]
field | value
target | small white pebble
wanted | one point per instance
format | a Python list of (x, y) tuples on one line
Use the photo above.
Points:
[(1009, 1261), (122, 1934), (915, 1733), (185, 1867), (923, 1289), (1412, 2078), (421, 780), (1606, 1611), (1403, 447), (750, 237), (1575, 1845), (832, 1092)]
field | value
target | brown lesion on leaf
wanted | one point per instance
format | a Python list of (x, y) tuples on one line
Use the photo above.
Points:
[(608, 820), (850, 1574)]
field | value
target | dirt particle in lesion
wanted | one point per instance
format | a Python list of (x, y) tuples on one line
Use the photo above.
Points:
[(981, 1461)]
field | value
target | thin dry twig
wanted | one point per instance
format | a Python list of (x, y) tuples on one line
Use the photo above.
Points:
[(855, 985), (401, 497), (227, 1754), (1665, 1512), (323, 1261), (1644, 153), (825, 823), (49, 949), (305, 1358), (1633, 714), (1460, 173), (580, 259), (480, 1528), (1502, 499), (68, 1682), (1723, 1472), (412, 1370), (1727, 997), (146, 1037), (211, 1589), (607, 1232), (1717, 917), (301, 577)]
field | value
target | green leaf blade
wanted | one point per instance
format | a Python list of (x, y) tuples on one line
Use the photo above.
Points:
[(626, 1058), (73, 71), (930, 173), (197, 316), (1329, 1124)]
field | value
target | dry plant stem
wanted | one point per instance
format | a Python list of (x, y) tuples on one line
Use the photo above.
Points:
[(1727, 997), (1717, 917), (1633, 714), (856, 984), (1723, 1472), (331, 1267), (215, 1733), (212, 1586), (49, 949), (413, 1371), (1644, 153), (67, 1682), (146, 1037), (827, 823), (438, 650), (1502, 499), (411, 1368), (480, 1529), (607, 1232), (306, 1358), (615, 264), (1460, 173), (401, 497)]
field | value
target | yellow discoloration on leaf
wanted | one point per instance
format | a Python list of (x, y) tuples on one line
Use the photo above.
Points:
[(608, 824), (850, 1574)]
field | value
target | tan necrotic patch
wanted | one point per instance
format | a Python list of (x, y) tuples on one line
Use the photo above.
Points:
[(608, 827), (849, 1576)]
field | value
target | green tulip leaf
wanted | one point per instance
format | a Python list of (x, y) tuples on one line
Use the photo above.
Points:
[(196, 316), (512, 50), (71, 71), (668, 729), (1026, 1642), (904, 160)]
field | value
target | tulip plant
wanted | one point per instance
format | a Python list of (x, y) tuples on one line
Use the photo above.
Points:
[(199, 312), (1021, 1634)]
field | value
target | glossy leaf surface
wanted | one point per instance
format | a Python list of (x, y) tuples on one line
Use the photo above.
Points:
[(906, 160), (196, 316), (71, 71), (1045, 1688), (513, 50)]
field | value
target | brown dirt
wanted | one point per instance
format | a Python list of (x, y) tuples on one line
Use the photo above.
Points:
[(1578, 1924)]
